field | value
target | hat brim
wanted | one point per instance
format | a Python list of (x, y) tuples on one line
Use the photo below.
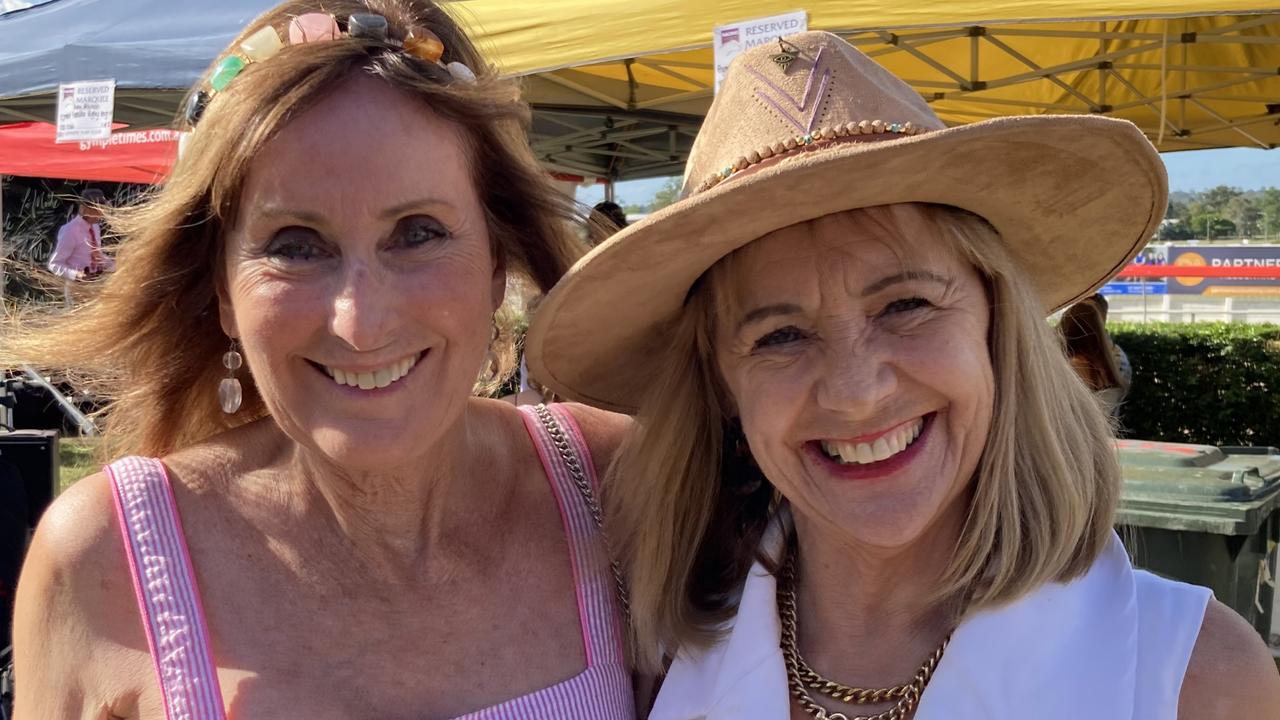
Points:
[(1074, 197)]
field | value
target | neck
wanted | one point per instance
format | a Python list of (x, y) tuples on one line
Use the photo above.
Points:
[(867, 615), (396, 523)]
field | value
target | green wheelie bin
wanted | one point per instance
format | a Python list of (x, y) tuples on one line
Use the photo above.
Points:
[(1209, 516)]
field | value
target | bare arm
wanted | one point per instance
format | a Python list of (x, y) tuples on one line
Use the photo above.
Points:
[(1231, 673), (55, 642)]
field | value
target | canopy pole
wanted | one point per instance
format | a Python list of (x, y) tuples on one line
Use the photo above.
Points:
[(608, 190), (3, 260)]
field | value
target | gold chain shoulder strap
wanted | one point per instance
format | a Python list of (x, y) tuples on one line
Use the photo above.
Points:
[(561, 441)]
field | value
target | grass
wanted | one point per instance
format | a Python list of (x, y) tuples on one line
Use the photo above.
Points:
[(77, 459)]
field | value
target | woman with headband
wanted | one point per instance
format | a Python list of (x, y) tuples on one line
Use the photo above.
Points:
[(317, 516)]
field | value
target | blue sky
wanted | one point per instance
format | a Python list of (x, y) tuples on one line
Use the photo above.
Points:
[(1247, 168)]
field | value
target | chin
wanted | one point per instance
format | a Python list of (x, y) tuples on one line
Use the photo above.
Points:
[(889, 524), (366, 452)]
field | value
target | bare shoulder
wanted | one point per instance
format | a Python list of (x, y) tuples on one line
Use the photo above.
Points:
[(604, 431), (75, 603), (1231, 673), (78, 531)]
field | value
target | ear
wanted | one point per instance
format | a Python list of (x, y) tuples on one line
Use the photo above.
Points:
[(499, 280)]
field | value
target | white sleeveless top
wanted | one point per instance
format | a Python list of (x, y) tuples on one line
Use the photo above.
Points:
[(1112, 644)]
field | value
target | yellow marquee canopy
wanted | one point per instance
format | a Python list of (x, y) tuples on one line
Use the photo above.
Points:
[(620, 86)]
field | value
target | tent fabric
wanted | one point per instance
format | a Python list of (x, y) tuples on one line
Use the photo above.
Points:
[(620, 87), (1190, 78), (531, 37), (28, 149), (144, 43)]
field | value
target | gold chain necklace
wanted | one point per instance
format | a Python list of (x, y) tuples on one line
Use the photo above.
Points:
[(801, 678)]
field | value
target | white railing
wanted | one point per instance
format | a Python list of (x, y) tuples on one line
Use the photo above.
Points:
[(1194, 308)]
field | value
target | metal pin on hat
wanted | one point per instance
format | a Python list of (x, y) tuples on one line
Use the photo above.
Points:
[(787, 54)]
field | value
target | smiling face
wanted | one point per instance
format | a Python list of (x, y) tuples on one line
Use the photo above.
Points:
[(360, 278), (855, 352)]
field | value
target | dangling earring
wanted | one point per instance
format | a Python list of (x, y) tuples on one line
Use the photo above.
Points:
[(229, 393), (491, 357)]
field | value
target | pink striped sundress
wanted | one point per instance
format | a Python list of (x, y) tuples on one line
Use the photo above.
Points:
[(169, 601)]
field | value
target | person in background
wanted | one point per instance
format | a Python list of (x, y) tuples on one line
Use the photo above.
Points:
[(530, 391), (78, 254), (1099, 362), (606, 219)]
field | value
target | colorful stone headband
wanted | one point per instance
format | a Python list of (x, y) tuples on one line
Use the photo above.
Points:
[(320, 27)]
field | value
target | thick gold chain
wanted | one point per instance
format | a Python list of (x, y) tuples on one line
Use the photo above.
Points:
[(801, 678)]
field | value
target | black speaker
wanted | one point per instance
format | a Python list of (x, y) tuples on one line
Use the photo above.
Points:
[(35, 455), (13, 544)]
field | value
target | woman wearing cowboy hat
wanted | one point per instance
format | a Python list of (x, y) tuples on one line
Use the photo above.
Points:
[(865, 481)]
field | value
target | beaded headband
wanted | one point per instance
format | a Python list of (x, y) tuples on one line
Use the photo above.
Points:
[(320, 27)]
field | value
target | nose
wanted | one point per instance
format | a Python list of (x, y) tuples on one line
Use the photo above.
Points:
[(856, 380), (362, 313)]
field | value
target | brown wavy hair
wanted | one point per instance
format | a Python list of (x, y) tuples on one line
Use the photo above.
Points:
[(148, 339)]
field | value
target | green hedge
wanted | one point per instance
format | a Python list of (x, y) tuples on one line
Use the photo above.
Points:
[(1210, 383)]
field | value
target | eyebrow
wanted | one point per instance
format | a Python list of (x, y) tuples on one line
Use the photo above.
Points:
[(276, 211), (418, 203), (902, 277), (768, 311)]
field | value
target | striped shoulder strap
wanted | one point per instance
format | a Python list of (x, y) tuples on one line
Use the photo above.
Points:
[(568, 462), (165, 585)]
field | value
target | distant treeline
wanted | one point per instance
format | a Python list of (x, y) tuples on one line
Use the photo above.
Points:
[(1222, 213)]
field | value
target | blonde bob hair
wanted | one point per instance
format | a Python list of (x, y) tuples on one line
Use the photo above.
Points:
[(148, 338), (689, 511)]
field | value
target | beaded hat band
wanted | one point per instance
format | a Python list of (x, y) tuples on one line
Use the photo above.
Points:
[(1073, 197), (266, 42), (851, 131)]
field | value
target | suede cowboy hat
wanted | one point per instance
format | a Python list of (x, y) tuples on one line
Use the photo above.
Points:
[(808, 127)]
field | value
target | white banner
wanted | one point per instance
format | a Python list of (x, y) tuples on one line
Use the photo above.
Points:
[(731, 39), (85, 110)]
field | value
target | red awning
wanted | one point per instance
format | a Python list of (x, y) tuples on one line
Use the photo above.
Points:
[(140, 156)]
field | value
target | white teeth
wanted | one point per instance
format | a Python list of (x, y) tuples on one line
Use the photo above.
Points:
[(884, 447), (893, 441), (380, 378)]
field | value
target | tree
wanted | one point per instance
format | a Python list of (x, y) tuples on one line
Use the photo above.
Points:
[(1216, 199), (1210, 225), (667, 194), (1245, 214), (1268, 202), (1178, 210), (1174, 229)]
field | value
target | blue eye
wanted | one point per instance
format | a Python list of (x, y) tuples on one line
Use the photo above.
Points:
[(296, 243), (419, 230), (781, 336)]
